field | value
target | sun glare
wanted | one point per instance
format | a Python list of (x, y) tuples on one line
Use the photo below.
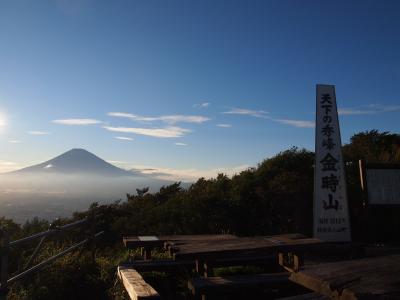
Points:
[(3, 121)]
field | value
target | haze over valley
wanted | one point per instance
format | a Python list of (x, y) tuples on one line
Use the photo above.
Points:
[(67, 183)]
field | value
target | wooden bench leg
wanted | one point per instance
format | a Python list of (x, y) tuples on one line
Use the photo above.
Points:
[(204, 268), (147, 253), (199, 267), (291, 261), (208, 269)]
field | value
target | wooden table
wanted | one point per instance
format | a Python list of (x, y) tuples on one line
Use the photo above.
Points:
[(158, 241), (240, 251), (147, 243), (246, 246), (367, 278), (210, 251)]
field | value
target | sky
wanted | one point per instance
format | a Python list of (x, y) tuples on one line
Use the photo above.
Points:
[(191, 88)]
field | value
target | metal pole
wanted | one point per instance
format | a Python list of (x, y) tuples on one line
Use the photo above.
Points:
[(35, 252), (5, 247), (47, 233), (49, 260)]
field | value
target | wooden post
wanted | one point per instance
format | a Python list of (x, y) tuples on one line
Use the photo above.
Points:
[(199, 267), (5, 248), (297, 262), (363, 180), (147, 253), (208, 269), (291, 261)]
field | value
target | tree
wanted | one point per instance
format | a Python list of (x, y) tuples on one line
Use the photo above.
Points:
[(373, 146)]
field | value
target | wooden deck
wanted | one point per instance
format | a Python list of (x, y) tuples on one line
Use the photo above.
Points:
[(368, 278)]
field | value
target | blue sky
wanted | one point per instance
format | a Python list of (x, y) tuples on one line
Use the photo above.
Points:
[(191, 87)]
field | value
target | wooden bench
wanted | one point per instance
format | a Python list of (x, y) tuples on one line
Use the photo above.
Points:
[(367, 278), (215, 285), (134, 284)]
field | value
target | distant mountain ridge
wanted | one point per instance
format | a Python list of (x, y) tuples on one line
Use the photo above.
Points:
[(76, 161)]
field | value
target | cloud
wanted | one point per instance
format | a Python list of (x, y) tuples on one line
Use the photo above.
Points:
[(14, 141), (349, 111), (296, 123), (370, 109), (180, 144), (77, 121), (38, 132), (170, 119), (202, 105), (124, 138), (186, 175), (8, 166), (117, 162), (122, 115), (167, 132), (247, 112), (265, 115)]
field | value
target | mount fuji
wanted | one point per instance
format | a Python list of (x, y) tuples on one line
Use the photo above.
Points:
[(67, 183)]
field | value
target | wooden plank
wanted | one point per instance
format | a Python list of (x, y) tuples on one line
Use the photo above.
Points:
[(159, 241), (138, 242), (377, 278), (211, 285), (198, 237), (309, 296), (159, 265), (288, 236), (256, 246), (176, 240), (134, 284)]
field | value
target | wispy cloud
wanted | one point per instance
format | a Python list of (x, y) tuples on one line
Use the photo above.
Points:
[(170, 119), (167, 132), (247, 112), (296, 123), (119, 162), (370, 109), (186, 175), (77, 121), (180, 144), (34, 132), (124, 138), (7, 166), (351, 111), (14, 141), (265, 115), (202, 105), (122, 115)]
